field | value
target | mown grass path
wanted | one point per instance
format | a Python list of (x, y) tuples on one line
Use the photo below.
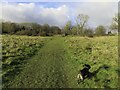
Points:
[(45, 69)]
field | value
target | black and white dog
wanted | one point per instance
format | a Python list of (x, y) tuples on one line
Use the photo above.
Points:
[(84, 73)]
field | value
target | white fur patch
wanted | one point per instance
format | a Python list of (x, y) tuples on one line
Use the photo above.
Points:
[(79, 76)]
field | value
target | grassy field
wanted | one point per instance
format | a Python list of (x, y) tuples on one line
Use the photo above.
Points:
[(98, 52), (16, 50), (54, 62)]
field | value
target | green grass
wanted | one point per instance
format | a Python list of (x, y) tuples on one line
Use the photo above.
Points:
[(57, 63), (98, 52), (16, 50), (45, 69)]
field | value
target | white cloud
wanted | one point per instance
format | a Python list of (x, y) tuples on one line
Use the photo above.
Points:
[(61, 0), (29, 12), (17, 12), (99, 13), (101, 0), (0, 10), (54, 15)]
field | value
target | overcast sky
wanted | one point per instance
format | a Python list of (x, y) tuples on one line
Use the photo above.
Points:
[(59, 13)]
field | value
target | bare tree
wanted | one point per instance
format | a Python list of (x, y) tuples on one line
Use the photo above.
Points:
[(81, 23)]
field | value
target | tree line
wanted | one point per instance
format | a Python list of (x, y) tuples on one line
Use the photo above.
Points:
[(80, 28), (30, 29)]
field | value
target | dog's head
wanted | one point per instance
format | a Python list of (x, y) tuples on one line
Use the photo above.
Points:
[(87, 66)]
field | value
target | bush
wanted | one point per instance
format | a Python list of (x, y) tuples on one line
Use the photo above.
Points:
[(100, 31)]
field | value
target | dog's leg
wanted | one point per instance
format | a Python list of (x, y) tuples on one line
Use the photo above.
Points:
[(78, 81)]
